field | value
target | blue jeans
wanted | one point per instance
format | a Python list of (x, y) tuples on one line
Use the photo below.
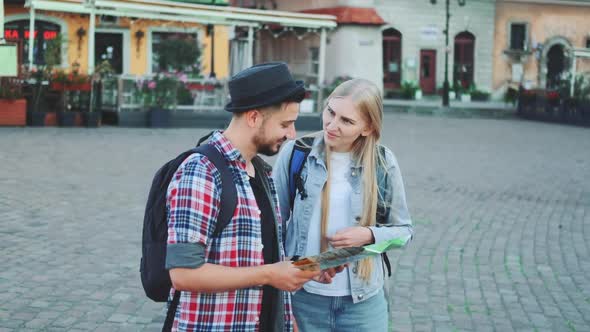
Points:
[(338, 313)]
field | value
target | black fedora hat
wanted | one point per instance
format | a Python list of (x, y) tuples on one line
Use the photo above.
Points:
[(263, 85)]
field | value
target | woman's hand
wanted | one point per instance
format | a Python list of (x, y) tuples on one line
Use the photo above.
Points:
[(351, 237), (328, 274)]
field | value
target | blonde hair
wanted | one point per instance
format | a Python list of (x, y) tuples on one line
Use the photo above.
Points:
[(366, 98)]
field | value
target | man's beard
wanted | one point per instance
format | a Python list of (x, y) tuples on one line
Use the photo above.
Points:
[(267, 148)]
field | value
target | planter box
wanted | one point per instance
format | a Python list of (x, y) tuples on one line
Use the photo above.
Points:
[(134, 118), (13, 112), (465, 97), (160, 118), (418, 95), (70, 87), (42, 119), (91, 119), (66, 119)]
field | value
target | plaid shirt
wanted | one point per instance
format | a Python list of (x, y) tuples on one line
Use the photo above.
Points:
[(193, 201)]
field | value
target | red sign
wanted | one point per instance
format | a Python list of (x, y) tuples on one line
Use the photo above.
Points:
[(13, 34)]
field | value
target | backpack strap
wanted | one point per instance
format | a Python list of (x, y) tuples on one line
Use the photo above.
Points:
[(171, 312), (301, 150), (229, 193)]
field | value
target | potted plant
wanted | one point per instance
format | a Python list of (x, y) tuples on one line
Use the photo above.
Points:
[(92, 114), (418, 94), (478, 95), (13, 107), (158, 96), (465, 93), (74, 89), (408, 90), (36, 83), (38, 78)]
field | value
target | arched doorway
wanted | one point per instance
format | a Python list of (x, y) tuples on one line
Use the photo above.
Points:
[(554, 61), (464, 56), (392, 58), (556, 65)]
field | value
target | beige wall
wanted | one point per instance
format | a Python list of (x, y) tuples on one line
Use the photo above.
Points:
[(545, 22)]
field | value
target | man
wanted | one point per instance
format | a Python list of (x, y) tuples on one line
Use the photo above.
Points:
[(238, 281)]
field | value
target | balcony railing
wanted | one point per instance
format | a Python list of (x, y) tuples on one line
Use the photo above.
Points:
[(120, 93)]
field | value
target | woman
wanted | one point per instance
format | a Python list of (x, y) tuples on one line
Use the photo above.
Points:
[(343, 192)]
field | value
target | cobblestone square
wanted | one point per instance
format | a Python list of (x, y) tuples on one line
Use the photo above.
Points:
[(501, 211)]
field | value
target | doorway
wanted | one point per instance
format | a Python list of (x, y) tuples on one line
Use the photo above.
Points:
[(555, 66), (109, 46), (392, 58), (428, 71)]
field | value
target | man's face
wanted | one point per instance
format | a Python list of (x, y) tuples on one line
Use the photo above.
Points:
[(276, 128)]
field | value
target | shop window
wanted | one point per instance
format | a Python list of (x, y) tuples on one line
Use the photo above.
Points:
[(18, 33), (159, 38)]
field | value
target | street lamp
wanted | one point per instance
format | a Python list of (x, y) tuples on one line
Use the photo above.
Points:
[(446, 83)]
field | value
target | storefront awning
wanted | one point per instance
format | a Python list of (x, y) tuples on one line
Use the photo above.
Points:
[(185, 12)]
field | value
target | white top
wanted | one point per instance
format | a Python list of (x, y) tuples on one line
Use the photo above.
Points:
[(339, 217)]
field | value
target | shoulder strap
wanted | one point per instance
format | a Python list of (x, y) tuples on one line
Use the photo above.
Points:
[(171, 312), (229, 194), (301, 150), (382, 177), (381, 208)]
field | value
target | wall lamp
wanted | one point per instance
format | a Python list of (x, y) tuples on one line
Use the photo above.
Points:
[(80, 33)]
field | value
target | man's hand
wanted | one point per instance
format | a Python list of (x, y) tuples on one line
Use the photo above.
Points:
[(351, 237), (328, 274), (285, 276)]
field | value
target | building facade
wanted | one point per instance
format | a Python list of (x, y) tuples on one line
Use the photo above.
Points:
[(536, 40), (390, 42), (128, 33)]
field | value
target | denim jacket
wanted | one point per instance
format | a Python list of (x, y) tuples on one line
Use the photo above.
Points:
[(395, 223)]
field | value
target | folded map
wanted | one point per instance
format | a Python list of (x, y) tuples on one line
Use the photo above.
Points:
[(342, 256)]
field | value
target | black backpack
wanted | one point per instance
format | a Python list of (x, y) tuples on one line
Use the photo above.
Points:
[(154, 276), (301, 150)]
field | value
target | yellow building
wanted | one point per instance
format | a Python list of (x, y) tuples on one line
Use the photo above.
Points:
[(127, 32), (539, 42)]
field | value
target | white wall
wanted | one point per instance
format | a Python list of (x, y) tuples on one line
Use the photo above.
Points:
[(355, 51)]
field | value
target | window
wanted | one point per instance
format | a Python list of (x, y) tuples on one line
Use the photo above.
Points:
[(18, 32), (314, 56), (108, 20), (587, 42), (518, 36), (159, 38)]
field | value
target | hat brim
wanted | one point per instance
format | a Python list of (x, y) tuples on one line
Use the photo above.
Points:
[(298, 89)]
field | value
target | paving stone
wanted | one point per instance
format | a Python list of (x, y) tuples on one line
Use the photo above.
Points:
[(486, 196)]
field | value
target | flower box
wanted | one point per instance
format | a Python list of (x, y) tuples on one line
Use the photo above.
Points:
[(13, 112), (58, 86)]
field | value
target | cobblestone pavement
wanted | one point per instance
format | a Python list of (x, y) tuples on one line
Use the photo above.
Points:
[(501, 207)]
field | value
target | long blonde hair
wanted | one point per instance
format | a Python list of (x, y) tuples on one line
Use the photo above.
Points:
[(366, 98)]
